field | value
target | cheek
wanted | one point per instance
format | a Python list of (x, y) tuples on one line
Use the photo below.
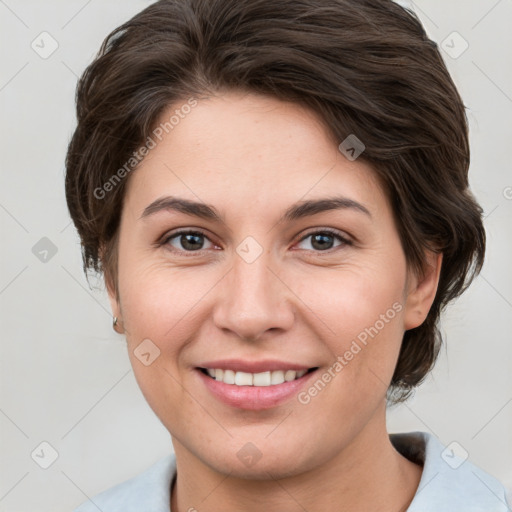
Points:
[(160, 307), (159, 301), (349, 300), (358, 314)]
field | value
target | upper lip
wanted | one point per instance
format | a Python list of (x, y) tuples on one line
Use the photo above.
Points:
[(240, 365)]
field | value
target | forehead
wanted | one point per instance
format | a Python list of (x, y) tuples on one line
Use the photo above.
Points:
[(248, 150)]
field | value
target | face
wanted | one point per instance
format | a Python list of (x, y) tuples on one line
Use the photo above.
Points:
[(257, 273)]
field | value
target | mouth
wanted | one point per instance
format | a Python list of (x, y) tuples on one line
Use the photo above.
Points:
[(266, 378), (254, 391)]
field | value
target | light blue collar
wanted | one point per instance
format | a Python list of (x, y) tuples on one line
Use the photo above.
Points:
[(449, 483)]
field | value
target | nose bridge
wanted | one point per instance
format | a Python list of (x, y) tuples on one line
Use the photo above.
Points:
[(252, 299)]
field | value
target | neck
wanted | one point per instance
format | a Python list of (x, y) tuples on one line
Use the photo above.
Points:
[(368, 474)]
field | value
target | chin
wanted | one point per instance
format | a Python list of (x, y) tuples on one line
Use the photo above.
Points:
[(261, 460), (274, 469)]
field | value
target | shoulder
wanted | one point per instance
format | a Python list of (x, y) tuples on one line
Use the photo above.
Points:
[(449, 481), (150, 490)]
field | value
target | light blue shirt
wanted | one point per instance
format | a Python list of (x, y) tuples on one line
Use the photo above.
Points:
[(448, 483)]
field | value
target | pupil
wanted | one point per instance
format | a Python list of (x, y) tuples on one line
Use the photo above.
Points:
[(324, 239), (190, 241)]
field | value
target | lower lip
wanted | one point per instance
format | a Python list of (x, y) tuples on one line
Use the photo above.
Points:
[(254, 398)]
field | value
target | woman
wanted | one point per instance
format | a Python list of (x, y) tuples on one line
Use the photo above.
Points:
[(277, 195)]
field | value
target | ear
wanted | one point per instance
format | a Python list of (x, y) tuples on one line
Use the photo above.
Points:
[(421, 291), (112, 292), (115, 305)]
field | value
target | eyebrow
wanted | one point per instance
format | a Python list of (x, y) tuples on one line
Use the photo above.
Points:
[(294, 212)]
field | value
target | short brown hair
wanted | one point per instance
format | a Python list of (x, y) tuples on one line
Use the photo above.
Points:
[(366, 67)]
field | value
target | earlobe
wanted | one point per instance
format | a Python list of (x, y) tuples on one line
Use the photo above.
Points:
[(422, 291), (113, 293), (117, 321)]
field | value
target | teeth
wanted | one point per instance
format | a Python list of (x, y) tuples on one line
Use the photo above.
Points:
[(263, 379), (229, 377), (241, 378), (254, 379), (290, 375), (277, 377)]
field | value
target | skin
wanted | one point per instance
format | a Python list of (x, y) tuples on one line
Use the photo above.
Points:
[(251, 157)]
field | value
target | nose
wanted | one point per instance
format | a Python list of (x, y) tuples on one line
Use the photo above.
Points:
[(253, 299)]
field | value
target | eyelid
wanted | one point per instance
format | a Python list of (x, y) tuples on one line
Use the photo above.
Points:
[(332, 231)]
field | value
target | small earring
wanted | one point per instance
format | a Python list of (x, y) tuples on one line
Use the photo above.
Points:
[(115, 325)]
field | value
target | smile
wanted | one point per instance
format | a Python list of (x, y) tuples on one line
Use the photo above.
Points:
[(254, 391), (267, 378)]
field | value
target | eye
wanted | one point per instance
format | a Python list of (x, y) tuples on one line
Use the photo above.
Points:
[(324, 240), (187, 241)]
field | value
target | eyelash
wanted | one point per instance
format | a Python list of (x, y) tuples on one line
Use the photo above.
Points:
[(326, 231)]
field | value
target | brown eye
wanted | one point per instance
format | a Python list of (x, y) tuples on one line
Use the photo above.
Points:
[(187, 241), (325, 240)]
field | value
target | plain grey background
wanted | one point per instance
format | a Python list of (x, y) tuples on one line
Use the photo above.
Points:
[(66, 380)]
